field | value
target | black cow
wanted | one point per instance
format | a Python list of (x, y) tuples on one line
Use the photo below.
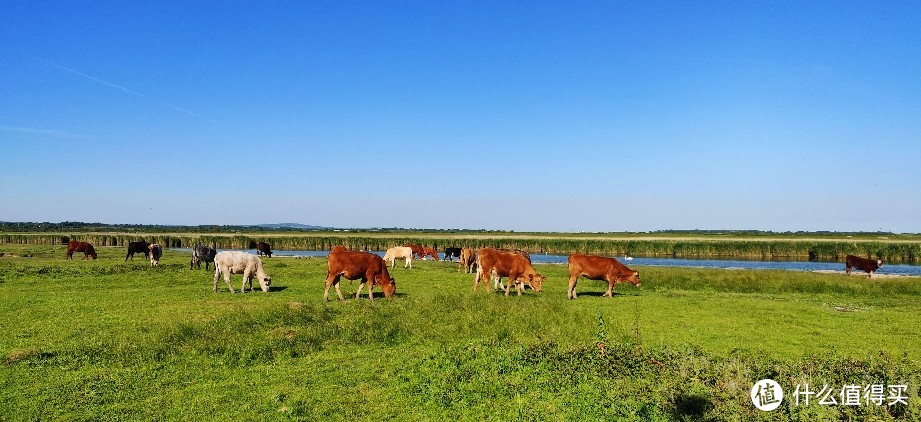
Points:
[(263, 248), (138, 247), (863, 264), (451, 253), (202, 253)]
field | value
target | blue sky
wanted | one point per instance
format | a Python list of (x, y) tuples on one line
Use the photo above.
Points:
[(526, 116)]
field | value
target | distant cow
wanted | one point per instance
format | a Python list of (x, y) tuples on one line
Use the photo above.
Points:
[(418, 252), (368, 267), (599, 268), (451, 253), (863, 264), (467, 259), (497, 264), (137, 247), (432, 252), (399, 252), (202, 253), (236, 262), (263, 248), (75, 246), (155, 251)]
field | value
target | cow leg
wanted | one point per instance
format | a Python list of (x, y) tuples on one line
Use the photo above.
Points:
[(361, 285), (216, 274), (409, 261), (476, 279), (331, 280), (227, 280), (610, 292), (571, 294)]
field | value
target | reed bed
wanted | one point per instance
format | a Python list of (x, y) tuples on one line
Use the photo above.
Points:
[(696, 247)]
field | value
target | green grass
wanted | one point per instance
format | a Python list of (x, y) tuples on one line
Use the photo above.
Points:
[(109, 339)]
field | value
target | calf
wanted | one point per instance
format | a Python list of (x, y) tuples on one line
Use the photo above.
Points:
[(236, 262), (137, 247), (202, 253), (155, 251), (368, 267), (498, 264), (263, 248), (863, 264), (75, 246), (599, 268), (451, 253), (399, 252)]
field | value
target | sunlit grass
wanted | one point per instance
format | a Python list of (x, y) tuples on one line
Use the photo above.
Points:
[(85, 339)]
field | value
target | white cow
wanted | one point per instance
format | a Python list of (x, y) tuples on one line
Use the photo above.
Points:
[(235, 262), (155, 251), (402, 252)]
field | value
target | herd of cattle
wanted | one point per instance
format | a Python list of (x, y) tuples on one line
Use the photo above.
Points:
[(489, 264)]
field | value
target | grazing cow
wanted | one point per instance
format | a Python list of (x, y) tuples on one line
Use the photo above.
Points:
[(467, 259), (155, 251), (263, 248), (432, 252), (863, 264), (75, 246), (368, 267), (137, 247), (599, 268), (451, 253), (236, 262), (498, 264), (202, 253), (418, 252), (399, 252)]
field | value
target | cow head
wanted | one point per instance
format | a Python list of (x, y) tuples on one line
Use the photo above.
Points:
[(93, 254), (265, 284), (389, 286), (536, 281), (879, 262), (634, 279)]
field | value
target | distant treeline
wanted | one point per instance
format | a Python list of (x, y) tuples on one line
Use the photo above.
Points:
[(767, 248)]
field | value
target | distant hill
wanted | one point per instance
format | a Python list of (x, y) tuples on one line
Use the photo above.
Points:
[(297, 226)]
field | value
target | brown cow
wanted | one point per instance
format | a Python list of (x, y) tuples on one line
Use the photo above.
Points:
[(599, 268), (75, 246), (432, 252), (263, 248), (863, 264), (418, 252), (500, 264), (368, 267), (467, 259)]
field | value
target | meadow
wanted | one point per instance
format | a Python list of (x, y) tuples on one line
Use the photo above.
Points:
[(115, 340)]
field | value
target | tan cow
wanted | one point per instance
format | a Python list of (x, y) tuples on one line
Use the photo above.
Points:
[(399, 252), (368, 267), (498, 264), (236, 262), (599, 268), (467, 259)]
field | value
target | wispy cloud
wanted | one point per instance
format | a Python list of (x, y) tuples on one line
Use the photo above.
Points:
[(116, 86), (34, 131)]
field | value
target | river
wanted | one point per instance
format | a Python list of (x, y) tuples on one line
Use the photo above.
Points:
[(894, 269)]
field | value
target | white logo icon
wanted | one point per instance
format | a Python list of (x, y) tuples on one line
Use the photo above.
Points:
[(767, 395)]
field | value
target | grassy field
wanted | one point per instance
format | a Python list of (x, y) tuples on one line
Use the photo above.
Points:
[(109, 339)]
